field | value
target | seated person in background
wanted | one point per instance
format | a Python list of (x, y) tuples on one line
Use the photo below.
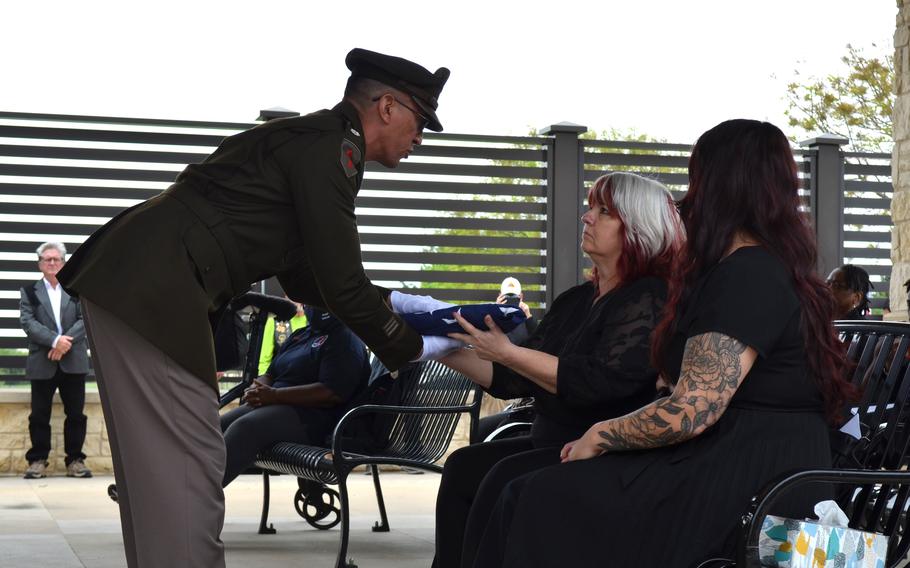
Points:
[(588, 360), (276, 333), (510, 293), (850, 285), (492, 409), (302, 395)]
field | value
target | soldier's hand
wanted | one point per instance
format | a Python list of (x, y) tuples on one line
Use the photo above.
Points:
[(435, 347), (413, 304)]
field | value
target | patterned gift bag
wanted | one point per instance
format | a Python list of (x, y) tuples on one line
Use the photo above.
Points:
[(789, 543)]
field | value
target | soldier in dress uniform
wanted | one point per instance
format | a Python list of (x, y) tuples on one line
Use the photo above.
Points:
[(277, 199)]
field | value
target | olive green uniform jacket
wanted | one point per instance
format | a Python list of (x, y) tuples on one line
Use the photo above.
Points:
[(277, 199)]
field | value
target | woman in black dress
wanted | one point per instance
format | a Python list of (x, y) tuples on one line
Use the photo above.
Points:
[(588, 360), (756, 366)]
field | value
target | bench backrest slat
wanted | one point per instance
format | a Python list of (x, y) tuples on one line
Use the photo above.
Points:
[(426, 437), (879, 351)]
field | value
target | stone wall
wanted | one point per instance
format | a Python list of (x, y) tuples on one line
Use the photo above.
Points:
[(14, 440), (900, 165)]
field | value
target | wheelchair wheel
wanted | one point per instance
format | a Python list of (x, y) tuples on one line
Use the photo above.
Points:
[(509, 430), (718, 563), (112, 492), (319, 506)]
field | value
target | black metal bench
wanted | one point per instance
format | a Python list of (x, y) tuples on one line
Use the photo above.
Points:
[(420, 430), (871, 472)]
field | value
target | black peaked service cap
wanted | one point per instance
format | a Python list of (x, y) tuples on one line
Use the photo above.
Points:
[(406, 76)]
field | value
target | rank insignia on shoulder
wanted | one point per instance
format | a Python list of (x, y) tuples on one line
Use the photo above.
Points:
[(350, 157)]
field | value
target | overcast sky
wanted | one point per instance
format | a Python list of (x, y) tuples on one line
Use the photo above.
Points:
[(670, 69)]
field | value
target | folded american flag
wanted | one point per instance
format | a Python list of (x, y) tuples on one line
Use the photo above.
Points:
[(442, 322)]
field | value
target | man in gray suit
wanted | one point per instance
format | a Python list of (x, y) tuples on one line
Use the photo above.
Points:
[(57, 360)]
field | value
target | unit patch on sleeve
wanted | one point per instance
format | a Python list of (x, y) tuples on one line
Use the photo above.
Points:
[(350, 157)]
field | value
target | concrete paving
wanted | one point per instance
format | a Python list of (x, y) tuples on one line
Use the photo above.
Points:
[(71, 523)]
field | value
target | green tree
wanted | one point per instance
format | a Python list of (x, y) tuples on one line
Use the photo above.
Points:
[(611, 134), (856, 103)]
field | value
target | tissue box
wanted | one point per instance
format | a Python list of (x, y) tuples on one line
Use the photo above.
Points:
[(788, 543)]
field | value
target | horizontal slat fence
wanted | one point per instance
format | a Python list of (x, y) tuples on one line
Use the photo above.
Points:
[(867, 218), (62, 177), (464, 212), (663, 162), (867, 194), (461, 214)]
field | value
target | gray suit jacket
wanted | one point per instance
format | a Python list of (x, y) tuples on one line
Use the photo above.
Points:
[(41, 330)]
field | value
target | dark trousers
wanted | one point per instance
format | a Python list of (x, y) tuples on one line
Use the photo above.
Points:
[(472, 479), (248, 431), (72, 393)]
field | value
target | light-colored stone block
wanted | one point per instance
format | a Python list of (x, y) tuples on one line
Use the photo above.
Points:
[(15, 441), (900, 165), (92, 446), (99, 465), (95, 424), (56, 465), (901, 37), (900, 206), (900, 273), (13, 417), (901, 117), (902, 70), (902, 182), (6, 462)]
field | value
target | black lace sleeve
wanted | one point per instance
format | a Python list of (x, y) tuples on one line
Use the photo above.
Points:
[(610, 360), (548, 336), (506, 383)]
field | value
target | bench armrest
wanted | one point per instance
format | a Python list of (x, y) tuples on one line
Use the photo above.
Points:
[(337, 435), (747, 550)]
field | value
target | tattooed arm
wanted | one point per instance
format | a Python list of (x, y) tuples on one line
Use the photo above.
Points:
[(713, 367)]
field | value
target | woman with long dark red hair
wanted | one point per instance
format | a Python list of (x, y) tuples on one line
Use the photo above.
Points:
[(748, 344)]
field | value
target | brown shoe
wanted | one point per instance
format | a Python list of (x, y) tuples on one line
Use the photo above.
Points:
[(36, 470), (77, 468)]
